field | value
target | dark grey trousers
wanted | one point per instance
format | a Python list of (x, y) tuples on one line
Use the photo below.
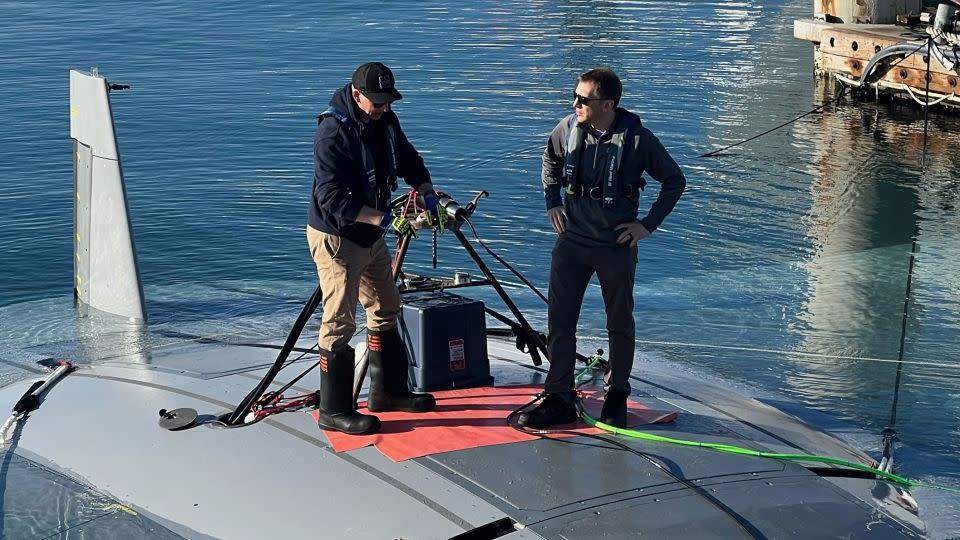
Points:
[(571, 268)]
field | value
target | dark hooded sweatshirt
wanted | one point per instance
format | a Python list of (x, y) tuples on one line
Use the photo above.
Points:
[(588, 222), (339, 182)]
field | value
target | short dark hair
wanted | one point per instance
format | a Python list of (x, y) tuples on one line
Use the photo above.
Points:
[(608, 84)]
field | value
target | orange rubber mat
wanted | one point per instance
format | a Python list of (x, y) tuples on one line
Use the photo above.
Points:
[(469, 418)]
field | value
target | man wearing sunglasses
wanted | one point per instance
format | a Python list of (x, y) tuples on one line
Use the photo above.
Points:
[(359, 152), (597, 157)]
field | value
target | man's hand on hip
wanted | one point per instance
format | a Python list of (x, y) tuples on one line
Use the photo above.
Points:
[(631, 233), (558, 218)]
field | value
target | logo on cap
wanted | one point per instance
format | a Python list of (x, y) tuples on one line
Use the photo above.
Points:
[(376, 81)]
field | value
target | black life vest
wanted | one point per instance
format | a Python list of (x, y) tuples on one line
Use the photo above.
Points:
[(374, 194), (621, 135)]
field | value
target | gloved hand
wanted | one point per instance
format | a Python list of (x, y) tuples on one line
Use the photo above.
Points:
[(436, 216), (399, 225)]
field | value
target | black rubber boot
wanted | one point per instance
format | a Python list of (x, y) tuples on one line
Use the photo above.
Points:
[(336, 395), (387, 358), (614, 412), (555, 409)]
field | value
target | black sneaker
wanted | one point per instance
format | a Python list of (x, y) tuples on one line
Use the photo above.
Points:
[(553, 410), (614, 412)]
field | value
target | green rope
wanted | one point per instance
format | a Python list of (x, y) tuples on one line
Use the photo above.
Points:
[(730, 449)]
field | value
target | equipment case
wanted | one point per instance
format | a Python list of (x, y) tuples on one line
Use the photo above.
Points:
[(446, 339)]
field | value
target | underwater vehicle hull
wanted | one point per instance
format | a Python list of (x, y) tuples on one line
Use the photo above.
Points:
[(280, 476)]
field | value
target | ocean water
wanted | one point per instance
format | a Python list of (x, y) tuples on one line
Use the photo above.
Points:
[(783, 270)]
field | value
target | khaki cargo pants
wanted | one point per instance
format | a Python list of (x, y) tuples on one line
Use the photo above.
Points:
[(349, 274)]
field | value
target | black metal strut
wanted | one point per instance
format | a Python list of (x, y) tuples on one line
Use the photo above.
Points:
[(237, 416), (526, 334)]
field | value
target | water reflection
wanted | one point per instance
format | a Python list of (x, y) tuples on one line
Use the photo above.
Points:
[(101, 336), (872, 211), (861, 227)]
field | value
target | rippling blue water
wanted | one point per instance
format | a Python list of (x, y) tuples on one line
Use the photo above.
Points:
[(783, 269)]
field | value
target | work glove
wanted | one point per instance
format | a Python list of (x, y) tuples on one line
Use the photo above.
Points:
[(398, 225), (436, 216)]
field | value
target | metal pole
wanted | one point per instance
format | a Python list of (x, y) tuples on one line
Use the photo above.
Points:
[(926, 104), (533, 338), (359, 376), (402, 248)]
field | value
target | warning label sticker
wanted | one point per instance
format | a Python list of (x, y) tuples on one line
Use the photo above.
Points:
[(457, 360)]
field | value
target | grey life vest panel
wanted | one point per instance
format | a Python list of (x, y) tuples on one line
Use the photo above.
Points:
[(372, 192), (611, 186)]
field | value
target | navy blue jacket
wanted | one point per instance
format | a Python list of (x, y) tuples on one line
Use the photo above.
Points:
[(338, 176)]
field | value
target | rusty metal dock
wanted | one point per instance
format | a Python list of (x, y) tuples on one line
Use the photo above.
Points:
[(890, 52)]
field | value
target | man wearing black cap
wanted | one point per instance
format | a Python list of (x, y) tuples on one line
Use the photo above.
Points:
[(359, 152)]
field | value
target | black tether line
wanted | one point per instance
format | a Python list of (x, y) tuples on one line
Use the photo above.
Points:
[(890, 432), (505, 263), (787, 123), (743, 523), (928, 44)]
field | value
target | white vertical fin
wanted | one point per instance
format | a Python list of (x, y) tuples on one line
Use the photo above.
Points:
[(106, 275)]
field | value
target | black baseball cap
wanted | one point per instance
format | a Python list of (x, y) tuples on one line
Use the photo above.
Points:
[(375, 81)]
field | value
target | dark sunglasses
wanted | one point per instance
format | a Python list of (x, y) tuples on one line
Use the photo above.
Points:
[(581, 100)]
